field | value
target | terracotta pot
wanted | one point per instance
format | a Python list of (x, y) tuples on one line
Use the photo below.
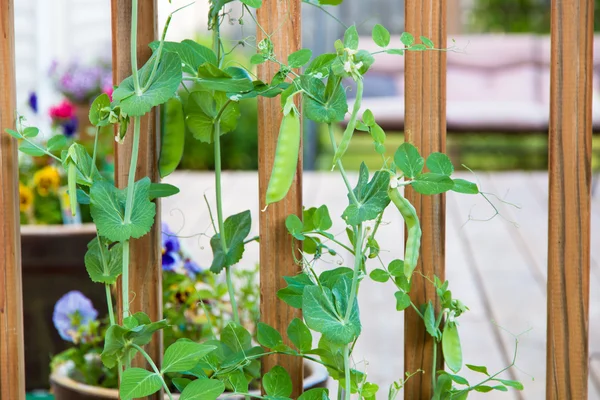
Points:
[(65, 388)]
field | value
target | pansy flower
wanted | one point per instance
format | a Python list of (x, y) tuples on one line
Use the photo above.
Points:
[(72, 313), (192, 268), (170, 249), (46, 180)]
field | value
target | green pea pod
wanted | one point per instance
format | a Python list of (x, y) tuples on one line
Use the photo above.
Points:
[(451, 347), (345, 143), (286, 157), (413, 240), (72, 182)]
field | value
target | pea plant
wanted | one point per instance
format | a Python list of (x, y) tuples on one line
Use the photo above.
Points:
[(328, 300)]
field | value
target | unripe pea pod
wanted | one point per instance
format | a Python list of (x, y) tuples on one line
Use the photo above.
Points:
[(413, 228), (286, 157)]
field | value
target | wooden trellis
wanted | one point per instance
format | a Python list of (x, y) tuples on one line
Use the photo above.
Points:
[(569, 204)]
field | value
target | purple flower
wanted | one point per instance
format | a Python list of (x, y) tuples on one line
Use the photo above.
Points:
[(170, 249), (80, 83), (70, 127), (71, 312), (192, 268), (33, 102)]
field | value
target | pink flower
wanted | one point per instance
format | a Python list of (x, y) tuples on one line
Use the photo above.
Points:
[(109, 91), (64, 110)]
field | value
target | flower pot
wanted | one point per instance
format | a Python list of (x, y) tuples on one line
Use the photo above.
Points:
[(52, 265), (65, 388)]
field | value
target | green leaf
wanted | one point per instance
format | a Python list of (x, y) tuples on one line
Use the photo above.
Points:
[(203, 389), (318, 106), (114, 345), (369, 391), (161, 190), (429, 319), (277, 382), (399, 52), (315, 394), (458, 379), (408, 159), (258, 59), (299, 58), (430, 183), (402, 300), (501, 388), (107, 206), (407, 39), (268, 336), (137, 382), (442, 387), (366, 58), (439, 163), (483, 388), (183, 355), (213, 78), (478, 368), (321, 218), (236, 337), (31, 132), (418, 47), (379, 275), (238, 381), (14, 133), (31, 149), (252, 3), (396, 268), (427, 42), (181, 383), (351, 38), (330, 2), (104, 263), (100, 110), (172, 137), (164, 85), (143, 334), (321, 64), (294, 226), (192, 54), (372, 197), (56, 143), (201, 112), (86, 173), (451, 347), (300, 335), (381, 36), (513, 384), (329, 278), (292, 294), (237, 228), (464, 186)]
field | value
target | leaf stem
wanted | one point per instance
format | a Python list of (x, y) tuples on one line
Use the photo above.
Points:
[(357, 263), (347, 390), (433, 367), (125, 279), (154, 368), (218, 189), (111, 312), (134, 63), (341, 166), (95, 149), (132, 168)]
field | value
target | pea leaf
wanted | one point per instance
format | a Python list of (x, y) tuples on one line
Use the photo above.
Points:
[(107, 206), (402, 300), (329, 278), (294, 226), (201, 111), (203, 389), (236, 337), (238, 381), (478, 368), (104, 264), (427, 42), (321, 218), (163, 86), (464, 186), (162, 190), (172, 137), (237, 228), (56, 142), (138, 382), (430, 183), (321, 64), (213, 78), (407, 39), (299, 58), (31, 149), (351, 38), (31, 132), (13, 133), (408, 159), (439, 163), (183, 355), (381, 36), (513, 384), (372, 197), (300, 335), (252, 3), (396, 268), (379, 275), (319, 107), (268, 336), (87, 173), (429, 319), (192, 54), (98, 114), (315, 394), (277, 383), (292, 294), (181, 383), (114, 344)]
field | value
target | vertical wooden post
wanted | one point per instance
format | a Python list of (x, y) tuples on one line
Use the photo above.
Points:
[(145, 268), (12, 357), (570, 147), (276, 259), (425, 127)]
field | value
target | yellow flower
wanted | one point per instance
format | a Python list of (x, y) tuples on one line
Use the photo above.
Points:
[(25, 198), (46, 180)]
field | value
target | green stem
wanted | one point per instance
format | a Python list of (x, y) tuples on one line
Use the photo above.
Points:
[(111, 311), (134, 64), (132, 168), (347, 390), (95, 149), (357, 263), (154, 368), (433, 368), (232, 299), (218, 189), (341, 167), (125, 279)]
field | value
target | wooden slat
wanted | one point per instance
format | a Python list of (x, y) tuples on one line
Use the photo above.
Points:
[(569, 203), (12, 359), (425, 127), (282, 18), (145, 263)]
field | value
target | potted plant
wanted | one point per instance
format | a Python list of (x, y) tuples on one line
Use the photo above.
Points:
[(328, 299)]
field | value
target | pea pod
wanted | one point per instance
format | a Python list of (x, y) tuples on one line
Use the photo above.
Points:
[(413, 240), (72, 184), (451, 347), (286, 157)]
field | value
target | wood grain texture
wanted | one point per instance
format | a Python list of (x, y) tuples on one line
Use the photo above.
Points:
[(570, 146), (425, 127), (145, 269), (12, 358), (276, 260)]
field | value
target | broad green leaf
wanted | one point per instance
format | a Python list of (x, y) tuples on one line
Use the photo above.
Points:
[(163, 86), (31, 132), (31, 149), (292, 294), (430, 183), (172, 137), (192, 54), (402, 300), (458, 379), (369, 391), (321, 218), (501, 388), (399, 52), (377, 133), (100, 110), (396, 268), (138, 382), (114, 345), (107, 206), (407, 39), (268, 336), (294, 226), (161, 190), (451, 347), (427, 42), (418, 47), (379, 275), (321, 64), (513, 384), (56, 143), (252, 3), (329, 278), (372, 197), (238, 381), (102, 262), (258, 59), (464, 186), (351, 38), (183, 355), (442, 387), (142, 335), (87, 173), (277, 382), (14, 133), (366, 58), (237, 228), (429, 319), (213, 78), (381, 36), (299, 58), (236, 337), (315, 394), (330, 2), (300, 335), (201, 111), (408, 159), (181, 383), (203, 389), (478, 368), (439, 163), (318, 106), (483, 388)]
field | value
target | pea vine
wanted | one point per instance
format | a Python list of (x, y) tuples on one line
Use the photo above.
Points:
[(329, 300)]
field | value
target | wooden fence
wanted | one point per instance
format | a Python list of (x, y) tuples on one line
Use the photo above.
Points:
[(569, 206)]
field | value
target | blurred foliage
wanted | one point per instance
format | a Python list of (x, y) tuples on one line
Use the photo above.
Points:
[(516, 16)]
